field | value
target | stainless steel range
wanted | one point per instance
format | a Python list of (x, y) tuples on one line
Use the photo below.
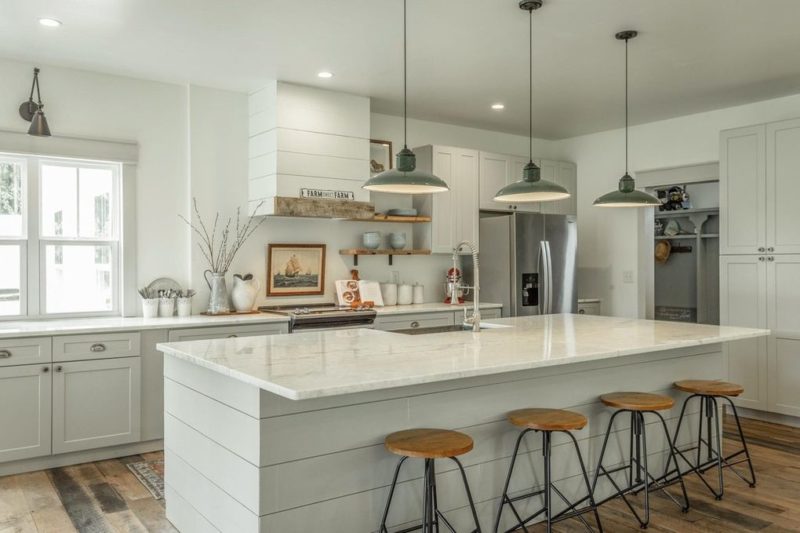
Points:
[(319, 317)]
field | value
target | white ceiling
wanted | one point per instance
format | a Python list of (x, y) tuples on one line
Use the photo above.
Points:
[(691, 55)]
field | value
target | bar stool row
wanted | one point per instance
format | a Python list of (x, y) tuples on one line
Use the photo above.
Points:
[(432, 444)]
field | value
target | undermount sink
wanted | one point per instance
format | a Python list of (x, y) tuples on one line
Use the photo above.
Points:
[(448, 329)]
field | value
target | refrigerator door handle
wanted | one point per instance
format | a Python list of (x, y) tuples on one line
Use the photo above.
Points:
[(549, 259), (544, 285)]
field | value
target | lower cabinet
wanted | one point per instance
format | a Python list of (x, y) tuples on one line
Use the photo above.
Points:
[(25, 397), (96, 403), (414, 321), (220, 332)]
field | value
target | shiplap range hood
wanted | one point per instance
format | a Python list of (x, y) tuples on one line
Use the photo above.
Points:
[(312, 141)]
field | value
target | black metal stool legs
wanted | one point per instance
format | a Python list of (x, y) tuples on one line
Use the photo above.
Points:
[(712, 442), (431, 516), (571, 511), (638, 474)]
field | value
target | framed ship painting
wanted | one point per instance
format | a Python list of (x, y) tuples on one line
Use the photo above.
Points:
[(295, 269)]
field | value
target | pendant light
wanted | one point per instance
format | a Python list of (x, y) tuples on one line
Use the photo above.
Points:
[(532, 188), (626, 195), (405, 178), (33, 112)]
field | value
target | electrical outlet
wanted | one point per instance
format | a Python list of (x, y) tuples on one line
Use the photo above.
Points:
[(627, 276)]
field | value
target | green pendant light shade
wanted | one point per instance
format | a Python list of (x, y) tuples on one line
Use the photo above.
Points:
[(405, 178), (626, 195), (531, 188)]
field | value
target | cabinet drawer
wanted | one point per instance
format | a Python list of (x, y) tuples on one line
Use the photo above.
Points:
[(589, 308), (217, 332), (413, 321), (25, 351), (95, 346)]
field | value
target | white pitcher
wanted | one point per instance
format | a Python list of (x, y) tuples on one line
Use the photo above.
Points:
[(244, 292)]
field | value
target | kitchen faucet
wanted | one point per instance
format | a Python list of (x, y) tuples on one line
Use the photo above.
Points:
[(475, 320)]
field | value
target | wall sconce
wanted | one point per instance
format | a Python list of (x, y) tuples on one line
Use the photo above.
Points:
[(33, 112)]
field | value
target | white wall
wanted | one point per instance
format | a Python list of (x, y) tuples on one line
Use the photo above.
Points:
[(608, 243), (154, 115)]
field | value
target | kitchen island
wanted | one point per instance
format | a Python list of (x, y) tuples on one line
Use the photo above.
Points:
[(285, 433)]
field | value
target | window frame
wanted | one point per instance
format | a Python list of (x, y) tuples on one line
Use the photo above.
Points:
[(33, 290), (20, 240)]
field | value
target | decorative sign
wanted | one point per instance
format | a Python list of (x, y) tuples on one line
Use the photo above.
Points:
[(327, 195)]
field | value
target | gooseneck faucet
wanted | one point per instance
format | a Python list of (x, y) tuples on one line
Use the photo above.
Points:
[(475, 320)]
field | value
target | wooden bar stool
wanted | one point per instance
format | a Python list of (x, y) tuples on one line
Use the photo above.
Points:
[(639, 478), (429, 444), (708, 391), (548, 421)]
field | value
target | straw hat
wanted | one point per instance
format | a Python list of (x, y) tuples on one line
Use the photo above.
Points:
[(663, 248)]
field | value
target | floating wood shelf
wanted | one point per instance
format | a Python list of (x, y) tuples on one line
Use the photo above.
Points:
[(393, 218), (355, 252)]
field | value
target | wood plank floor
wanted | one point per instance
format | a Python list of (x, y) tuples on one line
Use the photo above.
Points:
[(104, 497)]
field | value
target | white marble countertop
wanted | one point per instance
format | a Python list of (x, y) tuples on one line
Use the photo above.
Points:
[(70, 326), (320, 364)]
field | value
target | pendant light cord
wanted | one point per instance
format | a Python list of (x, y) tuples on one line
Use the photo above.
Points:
[(626, 106), (405, 79), (530, 86)]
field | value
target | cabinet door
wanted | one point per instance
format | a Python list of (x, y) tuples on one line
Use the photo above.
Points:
[(783, 311), (550, 173), (517, 168), (96, 403), (743, 303), (568, 178), (443, 203), (495, 170), (742, 191), (221, 332), (783, 187), (24, 411), (466, 208)]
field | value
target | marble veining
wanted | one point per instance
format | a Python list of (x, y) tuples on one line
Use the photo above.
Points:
[(320, 364)]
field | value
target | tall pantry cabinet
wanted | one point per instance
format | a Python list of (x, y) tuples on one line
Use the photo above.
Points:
[(760, 261)]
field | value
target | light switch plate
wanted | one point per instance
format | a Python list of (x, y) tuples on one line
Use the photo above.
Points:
[(627, 276)]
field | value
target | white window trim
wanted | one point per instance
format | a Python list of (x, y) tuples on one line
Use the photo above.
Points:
[(125, 154)]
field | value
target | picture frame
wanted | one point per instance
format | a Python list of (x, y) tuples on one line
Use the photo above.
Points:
[(295, 269), (380, 156)]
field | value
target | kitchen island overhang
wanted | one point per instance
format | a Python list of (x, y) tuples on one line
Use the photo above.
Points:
[(285, 433)]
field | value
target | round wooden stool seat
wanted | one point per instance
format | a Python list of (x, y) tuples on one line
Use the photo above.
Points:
[(637, 401), (709, 387), (428, 443), (547, 419)]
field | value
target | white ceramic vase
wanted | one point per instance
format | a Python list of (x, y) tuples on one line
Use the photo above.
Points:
[(244, 293)]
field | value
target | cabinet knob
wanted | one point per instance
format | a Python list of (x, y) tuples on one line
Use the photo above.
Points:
[(5, 354), (761, 258), (762, 249), (415, 324), (770, 249), (770, 258), (581, 311), (45, 369), (97, 348), (59, 368)]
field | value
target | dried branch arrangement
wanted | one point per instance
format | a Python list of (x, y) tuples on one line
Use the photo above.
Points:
[(220, 252)]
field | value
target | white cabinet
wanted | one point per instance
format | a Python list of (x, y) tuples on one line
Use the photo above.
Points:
[(391, 322), (759, 183), (564, 174), (783, 351), (497, 171), (25, 393), (96, 403), (454, 213), (589, 307), (743, 302), (221, 332)]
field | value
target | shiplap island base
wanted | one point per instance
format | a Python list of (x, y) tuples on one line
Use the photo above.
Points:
[(284, 434)]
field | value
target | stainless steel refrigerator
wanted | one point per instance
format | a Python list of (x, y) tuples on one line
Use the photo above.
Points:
[(527, 262)]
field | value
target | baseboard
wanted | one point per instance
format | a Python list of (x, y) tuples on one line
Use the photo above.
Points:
[(74, 458), (765, 416)]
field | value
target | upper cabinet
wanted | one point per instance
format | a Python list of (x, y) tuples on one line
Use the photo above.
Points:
[(499, 170), (759, 180), (454, 213)]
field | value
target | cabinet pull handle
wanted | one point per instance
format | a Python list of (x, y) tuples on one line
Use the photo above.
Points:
[(761, 249), (59, 368), (45, 369), (5, 354), (98, 347), (415, 324), (232, 336)]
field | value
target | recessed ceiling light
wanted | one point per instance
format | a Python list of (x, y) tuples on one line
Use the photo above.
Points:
[(50, 23), (325, 74), (498, 106)]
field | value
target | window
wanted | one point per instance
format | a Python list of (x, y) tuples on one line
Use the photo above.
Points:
[(64, 237)]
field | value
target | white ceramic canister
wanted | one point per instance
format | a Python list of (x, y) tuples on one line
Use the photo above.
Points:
[(166, 306), (149, 307), (185, 306), (405, 294), (389, 293), (419, 294)]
